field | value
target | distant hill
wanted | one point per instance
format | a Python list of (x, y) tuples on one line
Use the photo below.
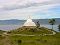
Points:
[(12, 21), (20, 22), (45, 21)]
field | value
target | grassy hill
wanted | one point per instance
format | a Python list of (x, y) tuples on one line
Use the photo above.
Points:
[(1, 32), (37, 40), (30, 40), (31, 30)]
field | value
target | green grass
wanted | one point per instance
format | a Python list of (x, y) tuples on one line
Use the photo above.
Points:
[(1, 32), (36, 40), (39, 40), (23, 30), (30, 40)]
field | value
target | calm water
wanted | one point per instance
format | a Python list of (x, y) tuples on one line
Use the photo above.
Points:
[(55, 27), (11, 27)]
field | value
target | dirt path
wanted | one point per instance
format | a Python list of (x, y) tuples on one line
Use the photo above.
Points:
[(53, 33)]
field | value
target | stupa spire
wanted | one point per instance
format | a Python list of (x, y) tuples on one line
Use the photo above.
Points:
[(29, 17), (29, 22)]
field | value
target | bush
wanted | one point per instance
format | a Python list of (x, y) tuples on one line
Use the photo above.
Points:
[(0, 35), (38, 40), (8, 32), (19, 41), (33, 30), (45, 41)]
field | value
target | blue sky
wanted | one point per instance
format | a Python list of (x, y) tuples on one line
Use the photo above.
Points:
[(51, 13), (22, 9)]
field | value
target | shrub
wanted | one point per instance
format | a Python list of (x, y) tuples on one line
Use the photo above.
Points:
[(19, 41), (45, 41)]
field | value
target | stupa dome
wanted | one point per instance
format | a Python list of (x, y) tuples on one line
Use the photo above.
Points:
[(29, 22)]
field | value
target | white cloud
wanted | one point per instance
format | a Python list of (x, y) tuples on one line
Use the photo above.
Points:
[(20, 9)]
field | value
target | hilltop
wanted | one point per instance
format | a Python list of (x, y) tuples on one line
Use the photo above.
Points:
[(30, 36), (31, 31)]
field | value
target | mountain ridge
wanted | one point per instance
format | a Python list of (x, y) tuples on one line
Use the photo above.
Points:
[(17, 21)]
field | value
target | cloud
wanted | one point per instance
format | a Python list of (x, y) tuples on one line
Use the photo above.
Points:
[(21, 9), (24, 4), (30, 3)]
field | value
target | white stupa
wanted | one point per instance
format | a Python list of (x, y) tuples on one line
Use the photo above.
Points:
[(29, 22)]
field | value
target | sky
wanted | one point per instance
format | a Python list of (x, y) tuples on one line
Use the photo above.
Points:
[(36, 9)]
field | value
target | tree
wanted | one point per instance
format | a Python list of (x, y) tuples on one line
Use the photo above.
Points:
[(52, 22), (59, 27), (38, 24)]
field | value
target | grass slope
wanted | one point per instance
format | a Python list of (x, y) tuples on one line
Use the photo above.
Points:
[(31, 30), (30, 40), (1, 32)]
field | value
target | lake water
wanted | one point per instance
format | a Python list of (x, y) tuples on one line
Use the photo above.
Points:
[(11, 27), (55, 27)]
